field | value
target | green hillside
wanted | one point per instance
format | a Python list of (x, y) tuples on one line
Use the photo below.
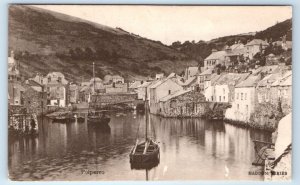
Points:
[(46, 41)]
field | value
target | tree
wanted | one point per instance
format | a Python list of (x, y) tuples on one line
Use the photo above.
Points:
[(89, 54), (176, 44)]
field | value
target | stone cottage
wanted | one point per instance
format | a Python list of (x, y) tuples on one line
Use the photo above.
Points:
[(244, 102), (183, 103), (224, 86), (160, 89)]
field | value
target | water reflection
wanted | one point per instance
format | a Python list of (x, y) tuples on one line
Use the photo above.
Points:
[(192, 149)]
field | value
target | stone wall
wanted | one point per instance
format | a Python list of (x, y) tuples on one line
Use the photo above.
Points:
[(100, 100), (266, 116), (34, 101), (16, 109), (191, 104)]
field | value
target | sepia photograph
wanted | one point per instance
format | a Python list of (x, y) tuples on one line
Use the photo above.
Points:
[(149, 92)]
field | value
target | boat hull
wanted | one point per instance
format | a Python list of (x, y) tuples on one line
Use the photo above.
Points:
[(138, 156), (63, 120)]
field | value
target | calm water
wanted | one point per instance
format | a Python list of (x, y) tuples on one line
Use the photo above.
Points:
[(194, 149)]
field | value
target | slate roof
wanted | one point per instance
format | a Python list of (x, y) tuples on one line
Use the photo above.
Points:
[(189, 81), (173, 95), (257, 42), (230, 78), (216, 55), (135, 84), (36, 88), (251, 81), (269, 79), (266, 69), (237, 46), (193, 70), (286, 80), (235, 52), (207, 72), (213, 78), (156, 83), (159, 82), (145, 84), (172, 75)]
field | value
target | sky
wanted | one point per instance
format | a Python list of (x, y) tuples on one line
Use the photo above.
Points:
[(179, 23)]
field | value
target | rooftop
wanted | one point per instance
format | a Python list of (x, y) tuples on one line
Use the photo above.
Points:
[(237, 46), (231, 78), (269, 79), (193, 70), (207, 72), (135, 84), (266, 69), (257, 42), (188, 81), (251, 81), (173, 95), (286, 80), (145, 84), (216, 55)]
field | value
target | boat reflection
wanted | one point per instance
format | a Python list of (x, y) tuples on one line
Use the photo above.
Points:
[(144, 166), (101, 128)]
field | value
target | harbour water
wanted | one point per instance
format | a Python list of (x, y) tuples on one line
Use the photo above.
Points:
[(190, 149)]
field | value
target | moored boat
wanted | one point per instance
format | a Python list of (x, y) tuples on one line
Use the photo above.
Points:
[(146, 152), (98, 117), (63, 119), (79, 118)]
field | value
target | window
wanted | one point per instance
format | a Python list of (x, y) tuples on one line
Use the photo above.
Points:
[(267, 97), (212, 98), (169, 91), (259, 97), (220, 98), (246, 108), (238, 106), (59, 79), (285, 93), (223, 98), (242, 95), (237, 96), (223, 90), (49, 79), (245, 96)]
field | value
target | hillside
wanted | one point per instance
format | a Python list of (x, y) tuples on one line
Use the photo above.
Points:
[(200, 50), (45, 41)]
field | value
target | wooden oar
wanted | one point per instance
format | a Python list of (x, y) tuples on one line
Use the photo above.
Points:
[(134, 149), (146, 147)]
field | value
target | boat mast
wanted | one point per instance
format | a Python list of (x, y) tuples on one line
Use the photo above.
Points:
[(94, 75), (147, 175), (146, 111)]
